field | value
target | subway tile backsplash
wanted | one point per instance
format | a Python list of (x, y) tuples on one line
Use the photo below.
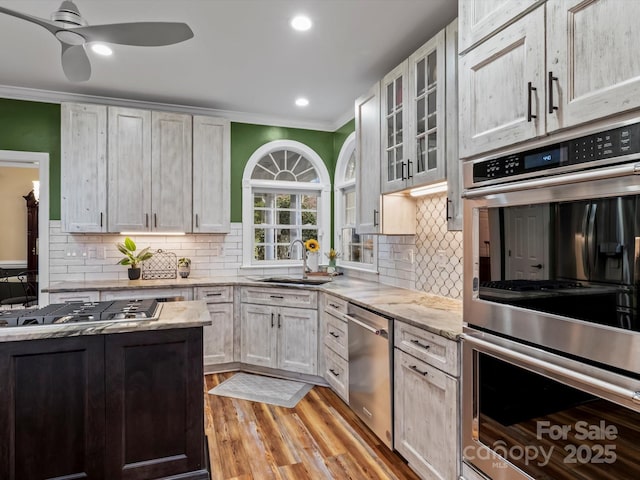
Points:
[(430, 261)]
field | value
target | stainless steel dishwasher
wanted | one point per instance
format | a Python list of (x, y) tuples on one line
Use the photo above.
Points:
[(370, 379)]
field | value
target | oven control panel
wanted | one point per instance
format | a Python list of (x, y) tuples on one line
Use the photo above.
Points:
[(590, 148)]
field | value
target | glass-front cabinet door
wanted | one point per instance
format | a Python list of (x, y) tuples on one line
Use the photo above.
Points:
[(426, 109), (394, 129)]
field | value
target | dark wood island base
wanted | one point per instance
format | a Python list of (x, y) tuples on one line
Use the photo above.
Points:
[(117, 406)]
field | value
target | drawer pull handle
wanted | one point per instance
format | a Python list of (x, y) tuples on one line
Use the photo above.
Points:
[(421, 345), (334, 305), (276, 296), (417, 370), (335, 374), (334, 334), (214, 294)]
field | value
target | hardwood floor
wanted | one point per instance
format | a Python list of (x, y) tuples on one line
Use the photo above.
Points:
[(318, 439)]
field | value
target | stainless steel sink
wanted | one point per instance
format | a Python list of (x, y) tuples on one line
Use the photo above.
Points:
[(291, 280)]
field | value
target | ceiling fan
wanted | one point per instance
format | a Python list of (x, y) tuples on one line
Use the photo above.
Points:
[(73, 32)]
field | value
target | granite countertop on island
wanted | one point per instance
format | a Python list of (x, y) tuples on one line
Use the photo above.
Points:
[(172, 315), (439, 315)]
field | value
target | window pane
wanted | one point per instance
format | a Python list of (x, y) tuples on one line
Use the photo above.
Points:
[(432, 155), (420, 154), (431, 103), (420, 116), (391, 157), (282, 252), (285, 217), (420, 85), (390, 98), (258, 252), (399, 92), (432, 72), (350, 173), (399, 128), (309, 218), (309, 202), (308, 234), (284, 236), (390, 131), (260, 217)]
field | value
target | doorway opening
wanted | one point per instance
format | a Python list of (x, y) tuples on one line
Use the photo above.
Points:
[(33, 254)]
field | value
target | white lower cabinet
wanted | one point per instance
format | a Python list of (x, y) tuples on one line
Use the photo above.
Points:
[(426, 402), (285, 338), (334, 344), (217, 337)]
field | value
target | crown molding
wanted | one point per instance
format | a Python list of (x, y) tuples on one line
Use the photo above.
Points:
[(50, 96), (342, 119)]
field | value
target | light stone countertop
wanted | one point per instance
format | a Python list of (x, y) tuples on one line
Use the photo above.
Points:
[(439, 315), (173, 315)]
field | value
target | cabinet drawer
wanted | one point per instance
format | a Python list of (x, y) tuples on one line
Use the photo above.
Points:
[(337, 373), (64, 297), (335, 304), (222, 294), (433, 349), (280, 297), (335, 334)]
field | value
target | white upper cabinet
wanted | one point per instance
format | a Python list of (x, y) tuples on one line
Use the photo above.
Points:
[(367, 118), (171, 171), (129, 170), (395, 122), (565, 63), (593, 70), (84, 167), (480, 18), (211, 175), (412, 120), (502, 88), (150, 171)]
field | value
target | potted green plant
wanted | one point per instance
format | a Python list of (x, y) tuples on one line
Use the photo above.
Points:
[(128, 249), (184, 267)]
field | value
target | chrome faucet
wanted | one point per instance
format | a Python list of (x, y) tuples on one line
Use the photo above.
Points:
[(304, 256)]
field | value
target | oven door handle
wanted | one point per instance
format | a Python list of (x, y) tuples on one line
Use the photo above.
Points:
[(575, 378)]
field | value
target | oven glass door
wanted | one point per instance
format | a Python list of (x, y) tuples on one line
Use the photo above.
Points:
[(524, 424), (572, 258)]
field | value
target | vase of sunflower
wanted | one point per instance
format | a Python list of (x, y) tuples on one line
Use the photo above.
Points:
[(333, 256), (312, 246)]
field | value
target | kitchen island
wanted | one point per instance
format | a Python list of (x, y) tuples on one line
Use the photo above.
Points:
[(116, 400)]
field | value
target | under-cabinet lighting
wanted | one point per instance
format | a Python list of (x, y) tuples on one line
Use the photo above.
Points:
[(429, 190), (166, 234)]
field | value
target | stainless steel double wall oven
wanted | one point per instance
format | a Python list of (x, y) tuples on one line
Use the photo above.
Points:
[(551, 374)]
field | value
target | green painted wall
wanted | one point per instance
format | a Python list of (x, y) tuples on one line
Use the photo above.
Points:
[(246, 138), (34, 127), (339, 136)]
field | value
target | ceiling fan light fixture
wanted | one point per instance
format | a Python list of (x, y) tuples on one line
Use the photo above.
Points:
[(70, 38), (301, 23), (101, 49)]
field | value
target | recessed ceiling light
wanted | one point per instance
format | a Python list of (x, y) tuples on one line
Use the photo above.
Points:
[(101, 49), (302, 102), (301, 23)]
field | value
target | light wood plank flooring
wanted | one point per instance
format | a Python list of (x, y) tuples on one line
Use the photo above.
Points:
[(318, 439)]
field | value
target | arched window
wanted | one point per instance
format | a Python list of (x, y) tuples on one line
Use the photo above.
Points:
[(359, 251), (285, 197)]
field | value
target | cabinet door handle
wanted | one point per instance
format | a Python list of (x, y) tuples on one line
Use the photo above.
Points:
[(197, 222), (146, 220), (155, 221), (335, 374), (279, 318), (375, 218), (449, 217), (100, 219), (530, 90), (272, 320), (334, 334), (409, 169), (276, 296), (417, 370), (421, 345), (402, 171), (552, 107)]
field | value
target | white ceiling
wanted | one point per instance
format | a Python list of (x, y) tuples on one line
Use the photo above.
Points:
[(244, 56)]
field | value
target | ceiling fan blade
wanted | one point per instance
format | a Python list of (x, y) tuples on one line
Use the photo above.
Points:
[(140, 34), (52, 27), (75, 63)]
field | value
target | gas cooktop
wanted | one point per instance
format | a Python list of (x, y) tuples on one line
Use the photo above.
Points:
[(82, 312)]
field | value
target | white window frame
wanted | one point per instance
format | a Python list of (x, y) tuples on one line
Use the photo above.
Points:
[(249, 186), (341, 186)]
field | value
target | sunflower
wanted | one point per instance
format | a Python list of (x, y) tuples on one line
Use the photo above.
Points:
[(312, 245)]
